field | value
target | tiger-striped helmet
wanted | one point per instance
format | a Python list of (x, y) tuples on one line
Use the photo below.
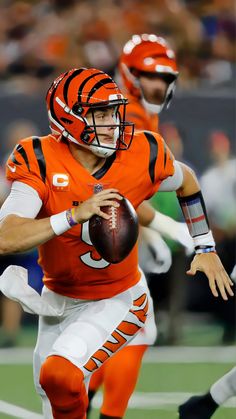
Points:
[(73, 94), (148, 54)]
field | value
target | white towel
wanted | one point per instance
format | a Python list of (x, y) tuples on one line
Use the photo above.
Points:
[(14, 285)]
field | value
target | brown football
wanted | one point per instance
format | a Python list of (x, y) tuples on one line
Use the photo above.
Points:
[(115, 238)]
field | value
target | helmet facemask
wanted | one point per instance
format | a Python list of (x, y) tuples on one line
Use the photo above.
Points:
[(92, 137)]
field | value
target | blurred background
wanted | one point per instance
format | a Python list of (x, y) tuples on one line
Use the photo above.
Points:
[(41, 39)]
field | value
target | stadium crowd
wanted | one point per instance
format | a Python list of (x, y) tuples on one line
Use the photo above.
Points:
[(92, 34)]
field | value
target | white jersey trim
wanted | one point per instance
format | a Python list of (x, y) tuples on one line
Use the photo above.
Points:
[(172, 183)]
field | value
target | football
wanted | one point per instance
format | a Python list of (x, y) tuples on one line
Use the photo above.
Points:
[(115, 238)]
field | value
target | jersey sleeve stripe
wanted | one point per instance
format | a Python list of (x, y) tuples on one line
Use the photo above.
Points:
[(23, 154), (14, 160), (37, 146), (165, 156), (153, 154)]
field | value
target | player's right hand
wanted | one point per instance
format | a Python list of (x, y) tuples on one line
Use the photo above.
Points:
[(93, 205)]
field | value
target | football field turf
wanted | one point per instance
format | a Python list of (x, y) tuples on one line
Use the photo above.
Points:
[(162, 385)]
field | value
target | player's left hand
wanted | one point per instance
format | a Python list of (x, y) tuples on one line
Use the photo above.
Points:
[(210, 264), (183, 237), (160, 259)]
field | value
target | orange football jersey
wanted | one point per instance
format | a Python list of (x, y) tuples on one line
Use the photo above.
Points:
[(142, 119), (70, 263)]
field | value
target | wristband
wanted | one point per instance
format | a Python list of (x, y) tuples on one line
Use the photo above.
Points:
[(194, 211), (70, 215), (205, 249), (62, 222), (204, 240), (204, 243), (195, 215)]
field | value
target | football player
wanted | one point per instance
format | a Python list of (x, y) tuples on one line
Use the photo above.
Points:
[(89, 307)]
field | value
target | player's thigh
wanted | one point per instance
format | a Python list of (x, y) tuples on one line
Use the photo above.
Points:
[(79, 331), (147, 334), (102, 328)]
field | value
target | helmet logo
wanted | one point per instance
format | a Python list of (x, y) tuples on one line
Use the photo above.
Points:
[(148, 61)]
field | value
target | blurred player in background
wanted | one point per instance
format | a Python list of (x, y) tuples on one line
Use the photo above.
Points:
[(89, 308), (149, 73), (204, 406), (222, 212)]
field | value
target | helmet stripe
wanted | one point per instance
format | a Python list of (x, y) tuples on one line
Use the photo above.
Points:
[(52, 106), (84, 83), (66, 85), (37, 146), (97, 86)]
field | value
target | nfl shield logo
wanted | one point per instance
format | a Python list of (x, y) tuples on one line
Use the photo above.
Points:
[(98, 188)]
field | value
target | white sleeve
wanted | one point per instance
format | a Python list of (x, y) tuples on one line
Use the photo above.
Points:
[(172, 183), (23, 200)]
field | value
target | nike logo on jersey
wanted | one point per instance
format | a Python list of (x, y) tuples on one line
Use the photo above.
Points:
[(12, 169)]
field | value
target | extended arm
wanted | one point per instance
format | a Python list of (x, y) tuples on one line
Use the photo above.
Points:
[(192, 204), (206, 260), (19, 231), (161, 223), (18, 234)]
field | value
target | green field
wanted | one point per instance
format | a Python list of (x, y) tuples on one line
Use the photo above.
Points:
[(176, 379)]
